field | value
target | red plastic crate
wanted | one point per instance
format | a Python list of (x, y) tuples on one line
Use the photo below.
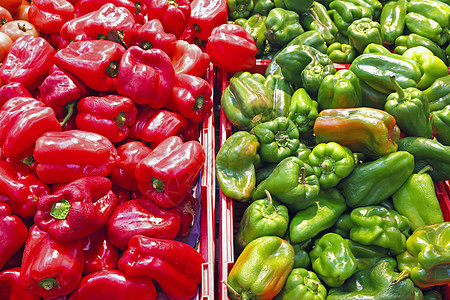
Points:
[(231, 212)]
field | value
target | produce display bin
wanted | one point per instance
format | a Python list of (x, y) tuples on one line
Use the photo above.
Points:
[(231, 211)]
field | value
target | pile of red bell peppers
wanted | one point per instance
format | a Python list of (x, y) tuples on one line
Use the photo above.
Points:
[(100, 107)]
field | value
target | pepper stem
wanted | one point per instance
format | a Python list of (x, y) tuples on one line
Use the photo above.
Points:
[(28, 160), (199, 101), (158, 185), (146, 45), (302, 176), (173, 2), (403, 275), (398, 89), (138, 7), (60, 209), (231, 289), (69, 108), (112, 69), (3, 21), (425, 169), (48, 283), (269, 209), (121, 118)]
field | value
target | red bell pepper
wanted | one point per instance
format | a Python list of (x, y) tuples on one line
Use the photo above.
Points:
[(50, 268), (11, 90), (232, 48), (76, 210), (146, 76), (13, 232), (15, 260), (152, 35), (10, 288), (176, 266), (187, 214), (154, 126), (50, 15), (99, 253), (136, 8), (20, 188), (61, 87), (93, 62), (114, 285), (174, 15), (170, 171), (73, 30), (69, 155), (28, 62), (191, 97), (128, 156), (142, 216), (188, 34), (109, 116), (189, 59), (191, 133), (122, 195), (22, 121), (207, 15), (110, 17)]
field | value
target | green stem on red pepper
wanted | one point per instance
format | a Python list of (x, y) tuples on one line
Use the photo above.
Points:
[(60, 209)]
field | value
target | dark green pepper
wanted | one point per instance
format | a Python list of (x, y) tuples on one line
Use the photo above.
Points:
[(255, 25), (367, 255), (432, 295), (302, 284), (308, 223), (281, 27), (235, 168), (264, 171), (416, 199), (317, 18), (303, 111), (379, 226), (375, 48), (282, 93), (405, 42), (371, 97), (299, 6), (293, 182), (373, 182), (247, 102), (262, 217), (263, 7), (410, 109), (239, 8), (332, 259), (440, 121), (376, 283), (340, 90), (301, 259), (438, 93), (364, 31), (303, 153), (392, 20), (278, 139), (428, 152), (341, 53), (343, 225), (345, 13)]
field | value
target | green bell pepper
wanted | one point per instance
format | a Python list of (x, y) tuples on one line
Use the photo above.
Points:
[(307, 223), (247, 102), (376, 283), (405, 42), (317, 18), (281, 27), (375, 48), (428, 152), (340, 90), (278, 139), (341, 53), (303, 111), (438, 93), (264, 171), (331, 163), (239, 8), (410, 109), (432, 65), (343, 225), (373, 182), (416, 199), (301, 259), (379, 226), (440, 121), (235, 167), (299, 6), (282, 93), (345, 13), (428, 255), (303, 153), (261, 269), (426, 27), (302, 284), (371, 97), (363, 32), (263, 7), (255, 26), (392, 20), (262, 217), (332, 259), (293, 182), (432, 295), (367, 255), (309, 38), (304, 66), (375, 70)]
